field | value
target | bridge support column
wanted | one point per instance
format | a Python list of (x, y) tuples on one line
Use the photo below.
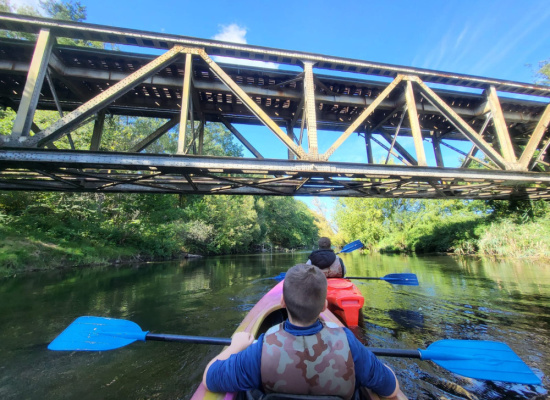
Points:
[(201, 135), (437, 151), (368, 147), (33, 85), (503, 135), (290, 133), (185, 97), (415, 125), (98, 131), (310, 111), (535, 139)]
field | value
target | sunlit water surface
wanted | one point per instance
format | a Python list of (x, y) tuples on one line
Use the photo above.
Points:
[(457, 298)]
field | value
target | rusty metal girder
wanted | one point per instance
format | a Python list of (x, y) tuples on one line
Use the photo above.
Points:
[(109, 34), (25, 169), (84, 82)]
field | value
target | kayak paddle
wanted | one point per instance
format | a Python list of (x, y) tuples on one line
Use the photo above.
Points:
[(476, 359), (348, 248), (395, 279)]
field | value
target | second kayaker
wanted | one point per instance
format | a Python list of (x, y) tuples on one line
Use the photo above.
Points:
[(326, 260)]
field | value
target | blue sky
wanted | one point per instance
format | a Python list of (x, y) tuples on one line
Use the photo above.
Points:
[(492, 38)]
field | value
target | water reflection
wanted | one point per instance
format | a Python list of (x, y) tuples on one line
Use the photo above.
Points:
[(457, 298)]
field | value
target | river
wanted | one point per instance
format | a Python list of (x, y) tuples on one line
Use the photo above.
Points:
[(462, 298)]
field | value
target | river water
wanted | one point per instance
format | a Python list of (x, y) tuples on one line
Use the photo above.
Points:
[(457, 299)]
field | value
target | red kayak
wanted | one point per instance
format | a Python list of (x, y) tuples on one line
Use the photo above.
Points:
[(345, 301)]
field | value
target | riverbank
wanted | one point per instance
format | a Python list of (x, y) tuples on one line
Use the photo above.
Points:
[(499, 239), (483, 236), (20, 253)]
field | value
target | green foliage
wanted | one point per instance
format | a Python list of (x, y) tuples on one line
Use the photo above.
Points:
[(496, 228), (286, 222), (508, 238), (67, 10), (519, 210), (543, 75), (360, 220), (67, 228), (63, 10)]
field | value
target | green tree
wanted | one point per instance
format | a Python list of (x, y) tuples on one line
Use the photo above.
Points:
[(286, 222), (65, 10), (543, 74)]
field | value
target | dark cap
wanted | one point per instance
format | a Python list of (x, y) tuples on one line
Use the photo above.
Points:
[(324, 243)]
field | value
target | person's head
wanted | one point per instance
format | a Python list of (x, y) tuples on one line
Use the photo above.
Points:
[(324, 243), (304, 293)]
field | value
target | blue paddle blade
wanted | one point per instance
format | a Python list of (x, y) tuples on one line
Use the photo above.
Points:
[(280, 277), (479, 359), (97, 334), (401, 279), (352, 246)]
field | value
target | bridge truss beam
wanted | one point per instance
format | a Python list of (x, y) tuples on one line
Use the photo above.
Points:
[(190, 82), (86, 171)]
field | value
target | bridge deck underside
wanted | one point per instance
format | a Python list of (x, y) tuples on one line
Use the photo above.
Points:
[(81, 74), (122, 172)]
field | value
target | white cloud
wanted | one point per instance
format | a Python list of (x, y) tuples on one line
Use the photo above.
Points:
[(237, 34), (231, 33)]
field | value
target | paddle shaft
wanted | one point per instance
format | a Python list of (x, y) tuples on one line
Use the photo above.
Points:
[(395, 352), (187, 339), (226, 342), (363, 277)]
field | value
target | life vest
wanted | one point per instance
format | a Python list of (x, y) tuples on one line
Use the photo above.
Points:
[(319, 364), (327, 262)]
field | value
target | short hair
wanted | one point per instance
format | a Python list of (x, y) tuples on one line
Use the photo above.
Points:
[(324, 243), (305, 292)]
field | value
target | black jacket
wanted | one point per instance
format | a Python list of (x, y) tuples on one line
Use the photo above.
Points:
[(322, 258)]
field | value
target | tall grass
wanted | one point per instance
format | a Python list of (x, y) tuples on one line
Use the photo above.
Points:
[(510, 239)]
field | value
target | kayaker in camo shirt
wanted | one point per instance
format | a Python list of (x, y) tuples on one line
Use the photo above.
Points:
[(324, 258), (303, 355)]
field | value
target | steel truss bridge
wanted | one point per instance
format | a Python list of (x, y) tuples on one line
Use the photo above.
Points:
[(407, 112)]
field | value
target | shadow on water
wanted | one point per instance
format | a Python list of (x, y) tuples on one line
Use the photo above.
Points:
[(408, 319), (456, 298)]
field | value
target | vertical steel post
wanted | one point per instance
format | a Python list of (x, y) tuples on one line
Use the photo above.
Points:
[(535, 139), (503, 135), (368, 145), (33, 85), (290, 133), (310, 112), (58, 104), (437, 151), (201, 135), (415, 125), (98, 131), (185, 102)]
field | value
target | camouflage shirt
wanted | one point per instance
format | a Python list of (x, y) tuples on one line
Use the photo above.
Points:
[(319, 364)]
